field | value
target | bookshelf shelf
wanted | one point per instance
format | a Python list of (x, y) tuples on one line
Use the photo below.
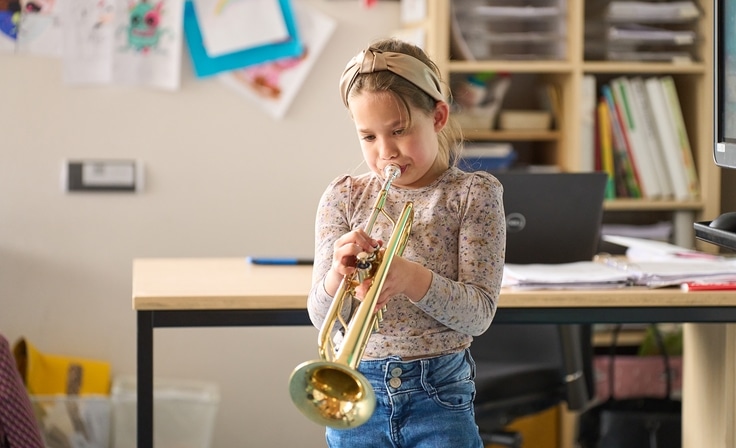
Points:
[(566, 67), (644, 68), (475, 135), (645, 205), (509, 66)]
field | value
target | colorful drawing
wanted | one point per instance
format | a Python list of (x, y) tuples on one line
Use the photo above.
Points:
[(11, 12), (143, 28), (265, 79), (30, 27), (89, 28), (274, 85), (9, 17), (220, 6), (38, 6)]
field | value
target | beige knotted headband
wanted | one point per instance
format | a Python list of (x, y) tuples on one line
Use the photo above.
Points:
[(408, 67)]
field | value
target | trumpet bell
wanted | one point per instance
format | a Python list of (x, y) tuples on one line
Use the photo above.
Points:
[(332, 394)]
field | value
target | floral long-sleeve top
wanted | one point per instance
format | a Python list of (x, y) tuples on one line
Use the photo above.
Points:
[(459, 233)]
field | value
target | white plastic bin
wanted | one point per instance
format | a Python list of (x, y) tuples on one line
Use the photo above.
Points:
[(184, 413), (73, 421)]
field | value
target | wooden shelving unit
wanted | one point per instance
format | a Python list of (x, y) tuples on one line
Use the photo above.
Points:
[(562, 146)]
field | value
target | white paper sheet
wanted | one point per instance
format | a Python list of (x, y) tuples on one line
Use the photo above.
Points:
[(122, 42), (89, 34), (39, 34), (232, 25), (274, 85)]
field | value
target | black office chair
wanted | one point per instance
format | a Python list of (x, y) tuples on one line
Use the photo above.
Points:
[(523, 369)]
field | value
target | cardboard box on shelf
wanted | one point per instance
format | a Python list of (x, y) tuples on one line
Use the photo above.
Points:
[(514, 120)]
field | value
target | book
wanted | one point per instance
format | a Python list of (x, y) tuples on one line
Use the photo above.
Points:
[(686, 155), (625, 169), (486, 156), (642, 111), (663, 127), (606, 148), (638, 151), (587, 123)]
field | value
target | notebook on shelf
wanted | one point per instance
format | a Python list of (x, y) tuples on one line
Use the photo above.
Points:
[(552, 217)]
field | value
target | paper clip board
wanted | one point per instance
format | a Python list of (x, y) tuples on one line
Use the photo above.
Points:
[(204, 65)]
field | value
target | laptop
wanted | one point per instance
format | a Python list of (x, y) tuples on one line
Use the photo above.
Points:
[(552, 217)]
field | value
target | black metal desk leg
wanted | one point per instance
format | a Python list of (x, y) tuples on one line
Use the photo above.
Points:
[(145, 380)]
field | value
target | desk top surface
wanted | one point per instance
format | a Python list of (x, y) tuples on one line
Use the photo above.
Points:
[(233, 283)]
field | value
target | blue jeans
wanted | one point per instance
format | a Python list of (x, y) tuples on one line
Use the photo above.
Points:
[(422, 403)]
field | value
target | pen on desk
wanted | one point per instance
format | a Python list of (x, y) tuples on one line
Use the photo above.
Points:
[(709, 286), (276, 261)]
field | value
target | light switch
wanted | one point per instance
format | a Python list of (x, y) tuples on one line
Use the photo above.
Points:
[(103, 175)]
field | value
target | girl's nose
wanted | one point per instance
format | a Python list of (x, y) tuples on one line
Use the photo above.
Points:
[(388, 151)]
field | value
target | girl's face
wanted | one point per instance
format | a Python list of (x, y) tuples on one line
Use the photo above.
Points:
[(385, 137)]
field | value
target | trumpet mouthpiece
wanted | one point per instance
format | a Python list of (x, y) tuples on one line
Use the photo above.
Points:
[(392, 171)]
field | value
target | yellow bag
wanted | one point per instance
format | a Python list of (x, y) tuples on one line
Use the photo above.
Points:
[(53, 374)]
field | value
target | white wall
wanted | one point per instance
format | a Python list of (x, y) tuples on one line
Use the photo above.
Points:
[(223, 179)]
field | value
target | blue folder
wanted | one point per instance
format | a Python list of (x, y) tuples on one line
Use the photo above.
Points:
[(204, 65)]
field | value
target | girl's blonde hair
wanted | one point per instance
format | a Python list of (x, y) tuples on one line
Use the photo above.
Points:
[(450, 138)]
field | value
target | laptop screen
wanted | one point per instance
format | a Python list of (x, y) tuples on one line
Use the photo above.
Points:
[(552, 217)]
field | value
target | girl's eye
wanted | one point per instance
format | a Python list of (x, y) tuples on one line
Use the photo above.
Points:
[(369, 138), (399, 131)]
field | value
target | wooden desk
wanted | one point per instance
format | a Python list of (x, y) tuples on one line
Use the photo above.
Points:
[(231, 292)]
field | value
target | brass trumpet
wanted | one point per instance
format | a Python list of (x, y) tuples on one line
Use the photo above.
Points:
[(330, 390)]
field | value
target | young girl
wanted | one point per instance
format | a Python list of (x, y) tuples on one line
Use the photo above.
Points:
[(444, 288)]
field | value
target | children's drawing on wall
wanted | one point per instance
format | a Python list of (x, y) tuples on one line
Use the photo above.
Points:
[(9, 20), (143, 28), (265, 79), (148, 43), (273, 85), (134, 42), (231, 25), (89, 32), (30, 27)]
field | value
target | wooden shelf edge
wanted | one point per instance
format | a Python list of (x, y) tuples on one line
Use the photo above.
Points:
[(510, 66), (481, 135), (643, 67), (602, 67), (651, 204)]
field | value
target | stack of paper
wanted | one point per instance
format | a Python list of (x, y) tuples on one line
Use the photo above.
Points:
[(655, 274), (617, 272), (647, 250), (636, 11), (579, 275), (656, 263)]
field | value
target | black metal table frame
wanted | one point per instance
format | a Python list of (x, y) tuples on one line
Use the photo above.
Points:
[(150, 319)]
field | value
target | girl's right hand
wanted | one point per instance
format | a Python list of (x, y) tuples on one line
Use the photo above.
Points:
[(347, 248)]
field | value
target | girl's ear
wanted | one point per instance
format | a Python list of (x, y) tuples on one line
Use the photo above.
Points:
[(441, 115)]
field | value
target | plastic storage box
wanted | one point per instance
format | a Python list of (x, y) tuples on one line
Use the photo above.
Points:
[(73, 421), (184, 412), (637, 376)]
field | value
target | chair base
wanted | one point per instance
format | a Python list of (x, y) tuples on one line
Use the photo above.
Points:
[(508, 439)]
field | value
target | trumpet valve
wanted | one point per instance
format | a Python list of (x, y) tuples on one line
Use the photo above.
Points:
[(364, 260), (378, 319)]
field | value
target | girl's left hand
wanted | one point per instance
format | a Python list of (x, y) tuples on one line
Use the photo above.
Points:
[(400, 276)]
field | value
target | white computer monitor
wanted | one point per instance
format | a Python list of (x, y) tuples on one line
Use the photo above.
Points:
[(724, 91)]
